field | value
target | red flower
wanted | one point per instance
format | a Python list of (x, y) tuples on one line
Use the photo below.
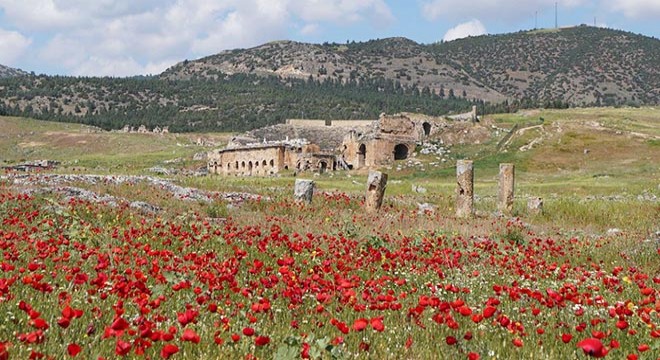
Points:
[(473, 356), (122, 348), (305, 351), (621, 324), (643, 347), (119, 324), (360, 324), (4, 354), (450, 340), (169, 350), (235, 337), (377, 324), (73, 349), (566, 338), (190, 335), (261, 340), (248, 331), (593, 347), (517, 342)]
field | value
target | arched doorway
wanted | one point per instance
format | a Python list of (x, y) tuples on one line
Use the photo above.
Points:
[(323, 166), (427, 129), (362, 155), (400, 152)]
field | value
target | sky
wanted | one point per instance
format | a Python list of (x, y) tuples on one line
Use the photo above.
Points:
[(142, 37)]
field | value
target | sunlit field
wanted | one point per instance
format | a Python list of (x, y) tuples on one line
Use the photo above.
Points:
[(264, 277)]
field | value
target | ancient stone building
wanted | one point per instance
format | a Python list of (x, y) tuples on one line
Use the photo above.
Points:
[(391, 138), (364, 145), (269, 159)]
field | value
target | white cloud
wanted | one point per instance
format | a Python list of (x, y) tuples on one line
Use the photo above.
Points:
[(123, 37), (471, 28), (12, 46), (636, 9), (309, 29), (503, 10)]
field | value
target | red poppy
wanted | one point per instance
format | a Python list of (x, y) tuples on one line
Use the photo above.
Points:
[(473, 356), (190, 335), (73, 349), (566, 338), (122, 348), (593, 347), (248, 331), (360, 324), (450, 340), (517, 342), (377, 324), (261, 340), (169, 350)]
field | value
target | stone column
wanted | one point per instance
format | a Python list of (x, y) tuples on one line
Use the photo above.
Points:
[(376, 184), (303, 190), (535, 205), (465, 188), (506, 186)]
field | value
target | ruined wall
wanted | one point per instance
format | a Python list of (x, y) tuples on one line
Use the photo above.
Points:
[(351, 123), (247, 161), (334, 123), (360, 152), (305, 122)]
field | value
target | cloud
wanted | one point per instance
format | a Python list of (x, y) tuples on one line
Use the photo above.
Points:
[(471, 28), (309, 29), (636, 9), (125, 37), (12, 46), (504, 10)]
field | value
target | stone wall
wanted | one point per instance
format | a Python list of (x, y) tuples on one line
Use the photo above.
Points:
[(334, 123), (257, 161)]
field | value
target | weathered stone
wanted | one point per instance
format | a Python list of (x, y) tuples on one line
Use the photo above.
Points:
[(303, 190), (506, 187), (465, 188), (376, 184), (535, 205)]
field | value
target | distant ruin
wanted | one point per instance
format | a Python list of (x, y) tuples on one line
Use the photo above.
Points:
[(340, 145)]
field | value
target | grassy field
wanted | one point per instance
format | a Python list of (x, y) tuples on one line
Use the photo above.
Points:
[(273, 279)]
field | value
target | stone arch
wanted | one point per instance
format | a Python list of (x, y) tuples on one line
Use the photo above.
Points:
[(242, 164), (249, 167), (427, 129), (264, 163), (362, 155), (272, 163), (322, 166), (236, 165), (400, 152)]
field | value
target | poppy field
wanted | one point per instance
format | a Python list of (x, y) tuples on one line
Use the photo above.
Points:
[(281, 280)]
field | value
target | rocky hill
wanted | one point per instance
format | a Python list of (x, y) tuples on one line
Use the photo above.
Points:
[(6, 71), (579, 65), (245, 89)]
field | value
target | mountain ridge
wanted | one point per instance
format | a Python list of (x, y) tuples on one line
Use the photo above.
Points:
[(581, 65)]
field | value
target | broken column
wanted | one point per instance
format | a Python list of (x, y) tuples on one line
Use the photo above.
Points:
[(465, 188), (505, 193), (535, 205), (376, 183), (303, 190)]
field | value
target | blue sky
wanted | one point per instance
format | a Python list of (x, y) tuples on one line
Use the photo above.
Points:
[(131, 37)]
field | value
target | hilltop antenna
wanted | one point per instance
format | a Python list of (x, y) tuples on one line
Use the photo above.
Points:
[(556, 26), (594, 21), (536, 20)]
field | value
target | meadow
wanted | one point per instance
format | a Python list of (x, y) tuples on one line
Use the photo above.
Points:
[(269, 278)]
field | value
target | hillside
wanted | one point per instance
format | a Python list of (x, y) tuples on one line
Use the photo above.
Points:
[(244, 89), (6, 71), (579, 65)]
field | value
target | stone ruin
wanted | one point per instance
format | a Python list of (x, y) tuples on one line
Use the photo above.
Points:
[(353, 145), (142, 129)]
